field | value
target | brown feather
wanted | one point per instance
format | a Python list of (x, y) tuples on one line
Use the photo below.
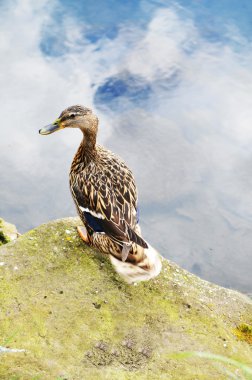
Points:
[(101, 182)]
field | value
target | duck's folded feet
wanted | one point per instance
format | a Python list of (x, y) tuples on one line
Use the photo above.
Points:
[(82, 231)]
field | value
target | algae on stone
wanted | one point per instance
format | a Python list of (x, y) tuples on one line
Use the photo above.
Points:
[(8, 232), (62, 303), (244, 332)]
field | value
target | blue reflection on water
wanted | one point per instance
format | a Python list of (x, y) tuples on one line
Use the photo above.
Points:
[(213, 16), (103, 19), (114, 92), (97, 20)]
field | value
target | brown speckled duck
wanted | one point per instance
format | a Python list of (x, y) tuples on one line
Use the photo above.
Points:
[(105, 194)]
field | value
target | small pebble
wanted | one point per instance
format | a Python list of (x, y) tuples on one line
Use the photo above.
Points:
[(145, 352), (128, 343), (2, 263), (101, 346), (115, 352)]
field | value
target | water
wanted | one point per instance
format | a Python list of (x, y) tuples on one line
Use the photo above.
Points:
[(171, 83)]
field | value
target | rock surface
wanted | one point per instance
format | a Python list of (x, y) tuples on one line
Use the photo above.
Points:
[(65, 314), (8, 232)]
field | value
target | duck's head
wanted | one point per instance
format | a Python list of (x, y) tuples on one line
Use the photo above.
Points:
[(73, 117)]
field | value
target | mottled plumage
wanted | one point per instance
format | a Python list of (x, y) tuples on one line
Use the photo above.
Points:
[(105, 194)]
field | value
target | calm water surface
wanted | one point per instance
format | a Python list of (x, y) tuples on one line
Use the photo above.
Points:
[(171, 83)]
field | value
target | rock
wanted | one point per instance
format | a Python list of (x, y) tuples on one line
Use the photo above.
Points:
[(8, 232), (63, 315)]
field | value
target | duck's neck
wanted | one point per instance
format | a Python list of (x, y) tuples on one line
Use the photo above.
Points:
[(87, 150), (88, 144)]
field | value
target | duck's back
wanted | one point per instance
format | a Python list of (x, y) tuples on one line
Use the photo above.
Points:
[(105, 194), (118, 179)]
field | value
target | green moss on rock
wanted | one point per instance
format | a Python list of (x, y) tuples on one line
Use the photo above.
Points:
[(8, 232), (3, 238), (244, 332), (62, 302)]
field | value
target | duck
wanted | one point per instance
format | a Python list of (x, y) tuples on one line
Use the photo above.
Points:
[(105, 195)]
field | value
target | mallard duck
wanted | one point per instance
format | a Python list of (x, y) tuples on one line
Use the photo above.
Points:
[(104, 191)]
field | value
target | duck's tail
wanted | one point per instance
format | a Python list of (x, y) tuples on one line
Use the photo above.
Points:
[(148, 267)]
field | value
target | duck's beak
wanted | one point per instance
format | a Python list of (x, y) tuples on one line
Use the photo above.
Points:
[(50, 128)]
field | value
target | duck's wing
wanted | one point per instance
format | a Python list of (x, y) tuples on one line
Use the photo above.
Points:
[(108, 201)]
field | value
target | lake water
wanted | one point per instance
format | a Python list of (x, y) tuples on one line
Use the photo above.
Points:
[(171, 82)]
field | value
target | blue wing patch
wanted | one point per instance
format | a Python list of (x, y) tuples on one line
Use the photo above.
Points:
[(93, 222)]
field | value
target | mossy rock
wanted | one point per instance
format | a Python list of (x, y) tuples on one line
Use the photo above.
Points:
[(63, 304), (8, 232)]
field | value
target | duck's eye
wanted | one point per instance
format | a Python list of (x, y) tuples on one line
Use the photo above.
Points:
[(72, 115)]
